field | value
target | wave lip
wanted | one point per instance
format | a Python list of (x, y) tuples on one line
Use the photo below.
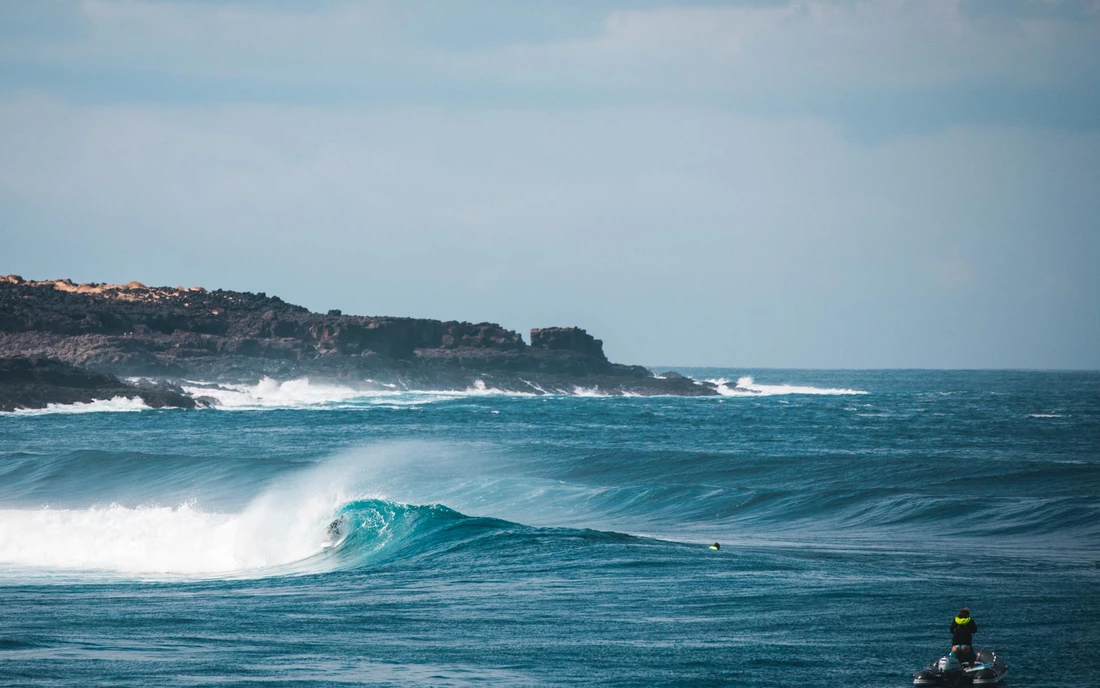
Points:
[(115, 404), (747, 387)]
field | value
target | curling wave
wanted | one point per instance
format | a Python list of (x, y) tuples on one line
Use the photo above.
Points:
[(185, 541)]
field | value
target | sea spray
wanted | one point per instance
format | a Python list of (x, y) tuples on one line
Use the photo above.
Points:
[(746, 386)]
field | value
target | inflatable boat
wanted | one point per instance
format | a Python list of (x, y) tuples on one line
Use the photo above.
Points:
[(987, 669)]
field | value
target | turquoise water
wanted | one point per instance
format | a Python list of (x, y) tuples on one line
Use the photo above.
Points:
[(514, 540)]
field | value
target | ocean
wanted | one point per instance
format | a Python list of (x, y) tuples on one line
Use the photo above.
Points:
[(305, 534)]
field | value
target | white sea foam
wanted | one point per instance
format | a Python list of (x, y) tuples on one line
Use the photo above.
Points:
[(746, 387), (304, 393), (1045, 415), (588, 392), (269, 393), (596, 392), (282, 527), (97, 406), (479, 389), (535, 387)]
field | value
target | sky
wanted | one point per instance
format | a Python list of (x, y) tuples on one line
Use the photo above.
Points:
[(790, 183)]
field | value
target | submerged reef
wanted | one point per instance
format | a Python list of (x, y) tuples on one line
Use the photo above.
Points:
[(171, 333)]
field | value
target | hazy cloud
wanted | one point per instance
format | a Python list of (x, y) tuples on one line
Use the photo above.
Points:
[(796, 57), (770, 183)]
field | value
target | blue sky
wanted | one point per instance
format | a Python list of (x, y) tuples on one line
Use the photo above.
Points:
[(905, 183)]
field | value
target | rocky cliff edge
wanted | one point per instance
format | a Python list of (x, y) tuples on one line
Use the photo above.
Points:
[(219, 335)]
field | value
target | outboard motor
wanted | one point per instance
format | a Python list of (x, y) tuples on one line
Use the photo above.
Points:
[(948, 671)]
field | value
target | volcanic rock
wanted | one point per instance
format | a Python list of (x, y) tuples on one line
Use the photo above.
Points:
[(230, 336), (32, 383)]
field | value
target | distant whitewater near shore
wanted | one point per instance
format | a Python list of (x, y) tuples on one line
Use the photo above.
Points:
[(746, 386), (115, 404), (303, 393)]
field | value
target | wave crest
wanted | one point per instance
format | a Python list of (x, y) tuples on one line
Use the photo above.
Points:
[(187, 541)]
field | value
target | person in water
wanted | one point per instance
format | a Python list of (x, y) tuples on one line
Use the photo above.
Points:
[(963, 629), (334, 529)]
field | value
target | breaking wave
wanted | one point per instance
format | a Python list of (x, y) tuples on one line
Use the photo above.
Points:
[(364, 508), (268, 538), (270, 393), (96, 406), (317, 520), (402, 500), (747, 387)]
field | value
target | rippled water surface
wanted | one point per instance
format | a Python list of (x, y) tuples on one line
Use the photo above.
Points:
[(309, 535)]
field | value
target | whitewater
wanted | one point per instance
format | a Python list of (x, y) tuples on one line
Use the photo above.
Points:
[(311, 533)]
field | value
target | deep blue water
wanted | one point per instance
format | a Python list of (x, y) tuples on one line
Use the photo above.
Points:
[(504, 540)]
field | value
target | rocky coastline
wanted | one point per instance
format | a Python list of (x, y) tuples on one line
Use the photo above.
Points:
[(35, 383), (175, 333)]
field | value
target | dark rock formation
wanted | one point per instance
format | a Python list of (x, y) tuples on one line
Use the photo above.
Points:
[(32, 383), (233, 336), (567, 339)]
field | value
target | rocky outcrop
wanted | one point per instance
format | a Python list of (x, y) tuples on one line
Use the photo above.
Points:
[(32, 383), (249, 324), (219, 335), (567, 339)]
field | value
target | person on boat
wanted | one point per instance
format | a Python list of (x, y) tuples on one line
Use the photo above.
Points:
[(963, 629)]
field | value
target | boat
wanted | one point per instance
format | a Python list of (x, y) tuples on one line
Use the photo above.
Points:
[(987, 669)]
